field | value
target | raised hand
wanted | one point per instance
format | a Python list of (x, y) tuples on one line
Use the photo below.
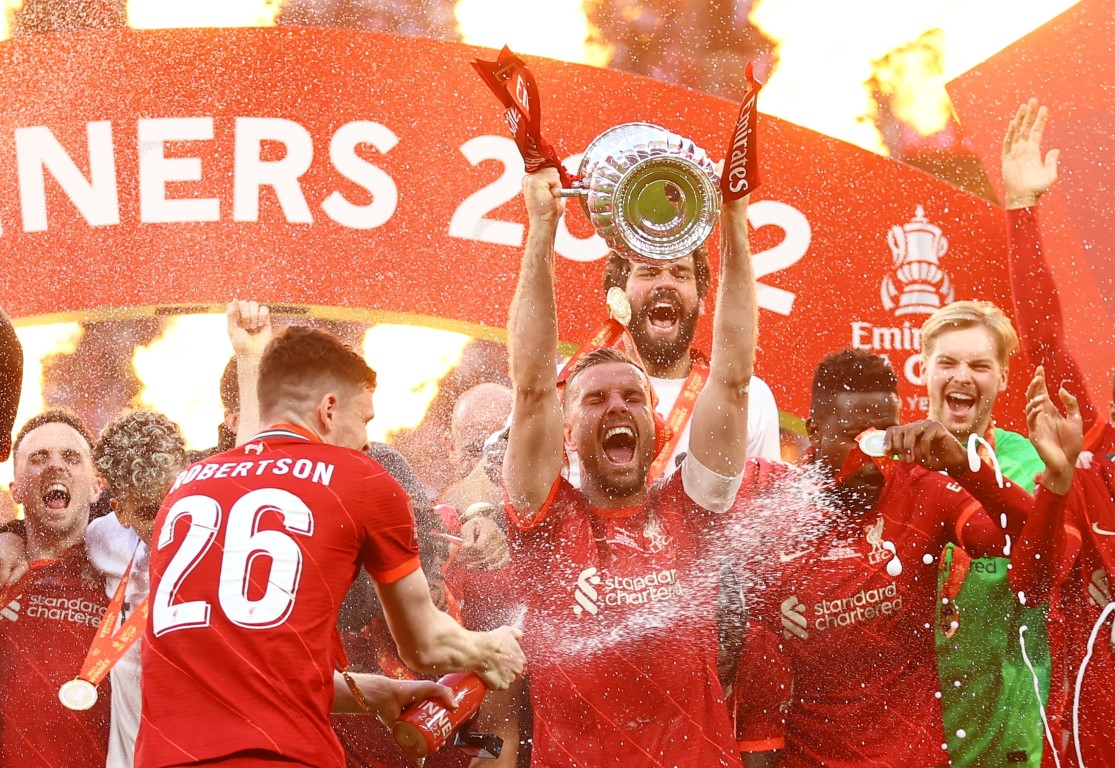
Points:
[(926, 443), (1057, 438), (1026, 175), (249, 328)]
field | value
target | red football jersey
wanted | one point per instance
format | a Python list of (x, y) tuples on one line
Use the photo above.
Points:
[(761, 692), (253, 552), (45, 632), (855, 604), (620, 633), (1067, 556)]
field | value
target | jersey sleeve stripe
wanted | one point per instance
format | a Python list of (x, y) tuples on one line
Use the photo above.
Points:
[(392, 575)]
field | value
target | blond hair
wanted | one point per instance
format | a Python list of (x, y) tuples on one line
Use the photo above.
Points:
[(966, 314)]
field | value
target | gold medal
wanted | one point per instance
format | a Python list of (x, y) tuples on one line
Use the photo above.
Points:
[(78, 695), (619, 306)]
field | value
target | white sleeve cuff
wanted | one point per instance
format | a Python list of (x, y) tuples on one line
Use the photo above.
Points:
[(713, 491)]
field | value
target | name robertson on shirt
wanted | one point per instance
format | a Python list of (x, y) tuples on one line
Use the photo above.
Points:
[(75, 610), (318, 472)]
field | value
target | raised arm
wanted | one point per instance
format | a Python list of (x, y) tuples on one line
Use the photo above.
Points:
[(249, 330), (718, 433), (1027, 175), (534, 448)]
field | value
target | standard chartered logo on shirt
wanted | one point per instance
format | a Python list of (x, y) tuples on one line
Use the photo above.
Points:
[(865, 605), (593, 591), (70, 610)]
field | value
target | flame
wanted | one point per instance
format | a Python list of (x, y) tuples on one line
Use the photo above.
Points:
[(558, 29), (825, 55), (7, 11), (40, 342), (162, 14), (181, 373), (912, 76), (406, 384)]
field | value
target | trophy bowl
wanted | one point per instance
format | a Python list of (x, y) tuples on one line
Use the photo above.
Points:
[(652, 195)]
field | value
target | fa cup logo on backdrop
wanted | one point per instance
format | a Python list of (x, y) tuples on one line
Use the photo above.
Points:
[(918, 285)]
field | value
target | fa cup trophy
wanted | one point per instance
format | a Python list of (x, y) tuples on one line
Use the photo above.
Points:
[(654, 196)]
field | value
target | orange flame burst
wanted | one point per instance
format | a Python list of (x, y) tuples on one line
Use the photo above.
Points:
[(406, 383), (181, 372), (825, 55), (558, 29)]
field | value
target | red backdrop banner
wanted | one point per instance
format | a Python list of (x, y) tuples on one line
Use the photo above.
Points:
[(1067, 64), (320, 167)]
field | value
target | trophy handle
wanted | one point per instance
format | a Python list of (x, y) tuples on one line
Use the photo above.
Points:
[(572, 192)]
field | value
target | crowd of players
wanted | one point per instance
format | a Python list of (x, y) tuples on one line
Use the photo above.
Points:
[(629, 567)]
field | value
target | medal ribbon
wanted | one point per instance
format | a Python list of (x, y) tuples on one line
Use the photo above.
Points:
[(610, 334), (109, 647), (515, 87), (741, 169), (680, 415)]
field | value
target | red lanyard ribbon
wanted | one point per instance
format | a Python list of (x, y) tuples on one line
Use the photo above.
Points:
[(514, 85), (110, 646), (679, 417), (741, 169)]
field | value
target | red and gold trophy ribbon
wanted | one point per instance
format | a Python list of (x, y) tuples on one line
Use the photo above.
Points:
[(679, 415), (108, 648), (741, 168), (515, 87)]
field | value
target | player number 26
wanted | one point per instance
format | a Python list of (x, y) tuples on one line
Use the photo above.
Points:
[(243, 544)]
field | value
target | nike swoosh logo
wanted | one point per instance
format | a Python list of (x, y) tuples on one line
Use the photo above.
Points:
[(1101, 531), (784, 558)]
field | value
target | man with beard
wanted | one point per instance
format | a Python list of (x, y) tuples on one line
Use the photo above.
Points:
[(620, 606), (666, 301), (987, 684), (853, 596), (48, 621)]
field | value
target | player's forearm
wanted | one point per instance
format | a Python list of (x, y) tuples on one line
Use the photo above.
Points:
[(1008, 506), (1037, 308), (1035, 559), (719, 426), (532, 327), (735, 317), (445, 646), (533, 456), (247, 380)]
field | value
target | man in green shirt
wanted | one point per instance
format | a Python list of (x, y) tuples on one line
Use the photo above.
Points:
[(993, 653)]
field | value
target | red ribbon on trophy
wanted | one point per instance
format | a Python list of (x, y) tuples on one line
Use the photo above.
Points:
[(514, 85), (741, 168)]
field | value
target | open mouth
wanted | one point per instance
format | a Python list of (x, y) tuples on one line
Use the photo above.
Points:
[(56, 496), (664, 314), (960, 404), (619, 445)]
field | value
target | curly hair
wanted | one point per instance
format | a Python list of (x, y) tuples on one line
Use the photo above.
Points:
[(850, 371), (139, 455)]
